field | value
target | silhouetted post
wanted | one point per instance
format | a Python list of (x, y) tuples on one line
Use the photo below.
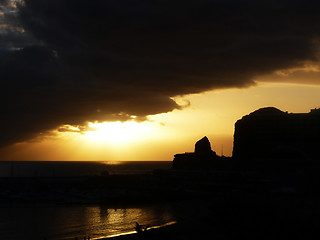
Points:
[(138, 228)]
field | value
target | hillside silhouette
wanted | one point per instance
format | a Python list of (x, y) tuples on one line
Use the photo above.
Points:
[(269, 133), (266, 136)]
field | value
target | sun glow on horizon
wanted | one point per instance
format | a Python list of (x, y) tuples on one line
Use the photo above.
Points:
[(118, 133), (212, 114)]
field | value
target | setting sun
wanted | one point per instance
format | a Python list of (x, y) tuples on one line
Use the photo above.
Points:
[(159, 119), (117, 133)]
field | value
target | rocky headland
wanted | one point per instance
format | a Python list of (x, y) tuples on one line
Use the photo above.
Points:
[(270, 134)]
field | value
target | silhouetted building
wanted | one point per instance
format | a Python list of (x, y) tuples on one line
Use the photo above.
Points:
[(269, 133), (201, 158)]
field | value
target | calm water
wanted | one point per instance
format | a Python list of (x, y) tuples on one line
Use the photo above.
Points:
[(67, 222), (61, 222), (71, 169)]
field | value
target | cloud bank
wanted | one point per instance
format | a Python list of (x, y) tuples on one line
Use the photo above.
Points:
[(70, 62)]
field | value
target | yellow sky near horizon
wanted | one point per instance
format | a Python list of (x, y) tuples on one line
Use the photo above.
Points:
[(210, 114), (181, 53)]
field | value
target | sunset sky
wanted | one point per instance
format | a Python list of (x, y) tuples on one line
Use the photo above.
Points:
[(142, 80)]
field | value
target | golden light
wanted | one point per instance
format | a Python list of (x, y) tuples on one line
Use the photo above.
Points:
[(211, 114), (118, 133)]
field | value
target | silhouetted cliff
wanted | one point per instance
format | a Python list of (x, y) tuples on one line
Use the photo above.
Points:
[(269, 133), (201, 158)]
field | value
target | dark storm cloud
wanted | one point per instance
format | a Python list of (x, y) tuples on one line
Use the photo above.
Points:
[(4, 2), (106, 60), (12, 34)]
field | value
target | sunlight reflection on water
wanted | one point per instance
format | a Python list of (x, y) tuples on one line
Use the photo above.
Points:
[(68, 222)]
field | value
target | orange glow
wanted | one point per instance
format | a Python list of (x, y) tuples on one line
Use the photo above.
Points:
[(118, 133), (212, 114)]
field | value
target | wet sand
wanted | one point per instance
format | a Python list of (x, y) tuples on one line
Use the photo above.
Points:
[(171, 232), (167, 232)]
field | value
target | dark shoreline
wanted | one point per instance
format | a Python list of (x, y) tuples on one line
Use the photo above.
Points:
[(158, 232), (257, 217), (224, 204), (165, 232)]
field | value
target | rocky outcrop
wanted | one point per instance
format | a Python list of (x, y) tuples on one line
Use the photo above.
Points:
[(269, 133), (203, 146), (202, 157)]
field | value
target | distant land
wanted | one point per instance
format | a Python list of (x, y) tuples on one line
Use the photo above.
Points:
[(264, 135)]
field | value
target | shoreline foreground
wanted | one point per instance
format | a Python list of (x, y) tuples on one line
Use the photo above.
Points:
[(261, 204), (281, 216)]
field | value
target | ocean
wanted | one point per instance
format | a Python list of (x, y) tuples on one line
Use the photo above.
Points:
[(77, 169), (66, 221)]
